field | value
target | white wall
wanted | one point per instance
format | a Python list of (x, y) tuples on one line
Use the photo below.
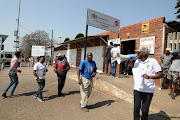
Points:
[(98, 56), (70, 54)]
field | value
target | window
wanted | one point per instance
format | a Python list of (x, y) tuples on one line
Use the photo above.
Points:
[(8, 55), (1, 55)]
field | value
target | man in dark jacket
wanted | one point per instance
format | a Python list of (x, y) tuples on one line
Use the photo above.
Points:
[(108, 60)]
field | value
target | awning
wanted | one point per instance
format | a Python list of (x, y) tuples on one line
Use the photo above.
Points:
[(82, 39)]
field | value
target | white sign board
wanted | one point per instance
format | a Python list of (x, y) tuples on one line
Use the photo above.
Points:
[(102, 21), (115, 41), (148, 42), (38, 51)]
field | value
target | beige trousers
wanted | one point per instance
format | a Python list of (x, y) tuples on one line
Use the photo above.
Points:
[(85, 90)]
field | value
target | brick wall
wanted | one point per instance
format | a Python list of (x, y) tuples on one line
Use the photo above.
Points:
[(155, 29)]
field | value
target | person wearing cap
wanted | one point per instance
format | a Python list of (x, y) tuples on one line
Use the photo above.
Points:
[(114, 52), (145, 71), (61, 67), (173, 73), (165, 64)]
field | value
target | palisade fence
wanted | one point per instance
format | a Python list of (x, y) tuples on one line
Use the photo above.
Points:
[(173, 41)]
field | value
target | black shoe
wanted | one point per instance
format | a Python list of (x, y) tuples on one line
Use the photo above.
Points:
[(176, 95), (172, 96), (4, 95), (60, 95)]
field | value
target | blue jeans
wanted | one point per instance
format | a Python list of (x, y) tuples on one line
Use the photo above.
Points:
[(41, 86), (113, 68), (14, 82)]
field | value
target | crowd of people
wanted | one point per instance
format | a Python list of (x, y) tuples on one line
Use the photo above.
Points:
[(87, 70), (171, 68), (111, 52), (145, 71)]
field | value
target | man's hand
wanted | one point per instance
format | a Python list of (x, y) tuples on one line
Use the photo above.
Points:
[(39, 80), (94, 74), (162, 59), (145, 76), (79, 81), (19, 71)]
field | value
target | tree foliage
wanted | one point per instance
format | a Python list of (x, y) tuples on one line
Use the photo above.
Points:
[(38, 37), (178, 9), (175, 25)]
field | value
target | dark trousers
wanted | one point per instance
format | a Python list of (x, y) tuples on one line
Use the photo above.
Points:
[(126, 68), (141, 101), (41, 86), (107, 65), (61, 82)]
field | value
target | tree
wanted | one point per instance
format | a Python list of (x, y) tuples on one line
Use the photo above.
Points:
[(175, 25), (178, 9), (38, 37)]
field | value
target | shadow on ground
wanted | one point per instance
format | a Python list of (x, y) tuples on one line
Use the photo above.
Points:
[(64, 94), (30, 93), (159, 116), (100, 104), (123, 76)]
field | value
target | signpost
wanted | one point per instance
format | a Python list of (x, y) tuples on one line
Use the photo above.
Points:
[(38, 51), (102, 21)]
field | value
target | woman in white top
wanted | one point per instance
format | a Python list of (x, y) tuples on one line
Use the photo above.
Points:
[(39, 73)]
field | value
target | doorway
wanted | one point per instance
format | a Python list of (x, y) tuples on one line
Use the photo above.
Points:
[(128, 47)]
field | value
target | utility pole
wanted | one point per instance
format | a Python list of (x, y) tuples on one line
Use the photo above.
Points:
[(51, 47), (17, 32)]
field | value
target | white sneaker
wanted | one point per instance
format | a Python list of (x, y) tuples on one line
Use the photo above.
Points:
[(160, 88), (35, 97), (40, 100)]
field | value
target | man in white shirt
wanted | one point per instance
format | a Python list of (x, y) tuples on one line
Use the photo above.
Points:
[(114, 52), (39, 72), (145, 71)]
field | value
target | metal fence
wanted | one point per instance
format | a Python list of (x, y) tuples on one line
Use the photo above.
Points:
[(173, 41)]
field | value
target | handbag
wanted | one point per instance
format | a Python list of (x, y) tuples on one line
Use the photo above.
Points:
[(11, 72)]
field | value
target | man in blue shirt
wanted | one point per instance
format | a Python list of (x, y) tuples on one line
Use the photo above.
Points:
[(87, 69)]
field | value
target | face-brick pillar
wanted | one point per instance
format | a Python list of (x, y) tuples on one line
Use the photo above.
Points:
[(78, 57)]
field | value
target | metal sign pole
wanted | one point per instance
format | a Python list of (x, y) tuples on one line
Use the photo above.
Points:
[(0, 50), (85, 42)]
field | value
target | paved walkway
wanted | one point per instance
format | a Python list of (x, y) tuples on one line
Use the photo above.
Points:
[(25, 107)]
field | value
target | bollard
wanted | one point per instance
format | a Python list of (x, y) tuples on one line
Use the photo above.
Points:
[(20, 64), (2, 66)]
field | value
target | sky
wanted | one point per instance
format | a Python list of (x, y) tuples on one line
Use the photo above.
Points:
[(67, 18)]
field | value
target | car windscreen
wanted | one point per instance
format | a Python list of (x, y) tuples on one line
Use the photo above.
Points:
[(8, 55)]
